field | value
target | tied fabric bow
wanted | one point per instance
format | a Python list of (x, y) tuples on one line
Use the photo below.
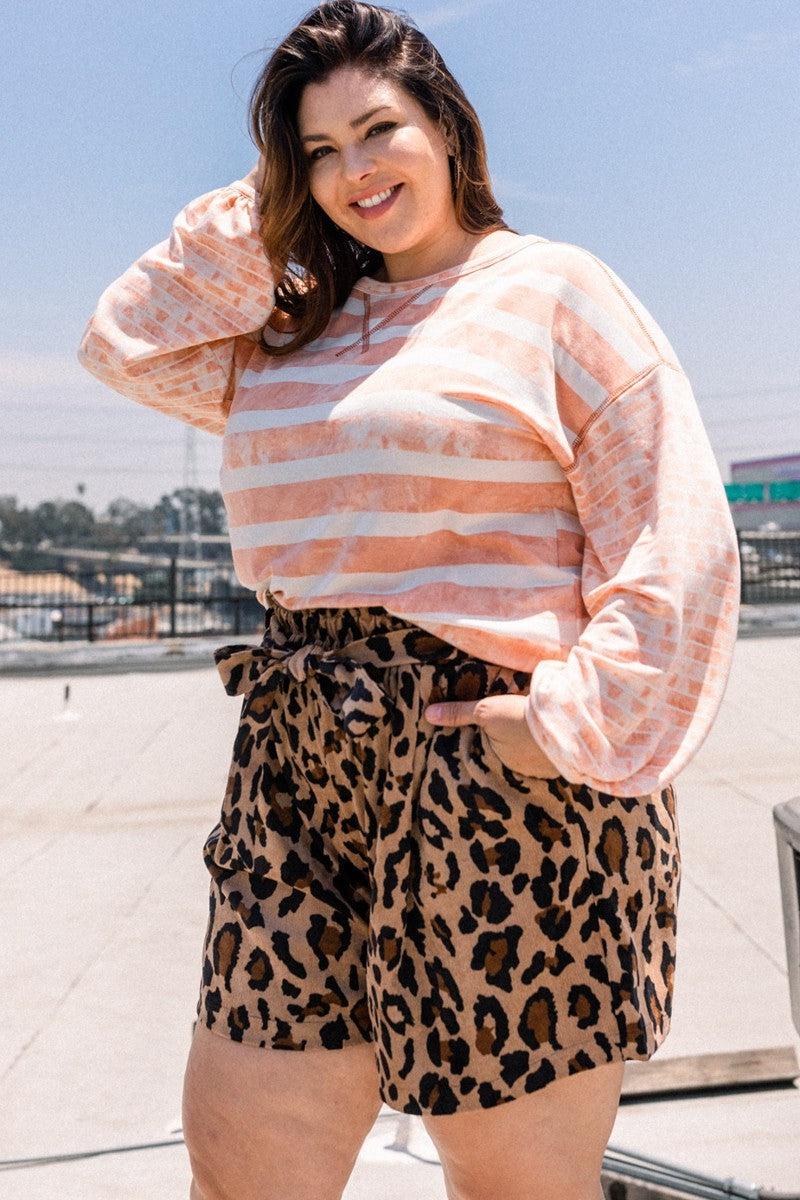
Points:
[(365, 704)]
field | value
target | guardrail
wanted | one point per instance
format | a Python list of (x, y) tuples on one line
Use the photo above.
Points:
[(179, 598), (770, 562), (159, 600)]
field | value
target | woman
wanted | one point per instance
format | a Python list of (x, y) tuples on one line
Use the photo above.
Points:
[(459, 464)]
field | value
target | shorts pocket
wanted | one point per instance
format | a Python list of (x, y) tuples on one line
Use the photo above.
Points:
[(494, 760), (483, 764)]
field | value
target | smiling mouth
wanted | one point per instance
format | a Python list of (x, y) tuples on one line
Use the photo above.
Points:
[(376, 210)]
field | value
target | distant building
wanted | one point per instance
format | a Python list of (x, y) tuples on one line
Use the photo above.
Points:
[(22, 614), (211, 547), (765, 492), (785, 466)]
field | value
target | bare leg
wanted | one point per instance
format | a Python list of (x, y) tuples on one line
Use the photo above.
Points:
[(548, 1145), (275, 1124)]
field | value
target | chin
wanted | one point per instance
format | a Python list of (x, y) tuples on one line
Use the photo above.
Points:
[(389, 244)]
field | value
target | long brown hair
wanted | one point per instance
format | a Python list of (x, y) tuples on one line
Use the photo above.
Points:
[(295, 231)]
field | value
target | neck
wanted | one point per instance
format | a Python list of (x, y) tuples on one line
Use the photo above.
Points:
[(399, 267)]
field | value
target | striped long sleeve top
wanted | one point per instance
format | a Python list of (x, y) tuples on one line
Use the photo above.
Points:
[(507, 453)]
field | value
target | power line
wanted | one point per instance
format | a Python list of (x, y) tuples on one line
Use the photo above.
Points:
[(749, 392), (729, 420), (93, 409), (80, 439), (78, 469)]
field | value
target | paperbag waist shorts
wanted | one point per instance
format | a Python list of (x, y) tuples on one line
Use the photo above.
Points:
[(377, 878)]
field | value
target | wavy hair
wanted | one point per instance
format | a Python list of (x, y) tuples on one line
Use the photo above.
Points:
[(295, 231)]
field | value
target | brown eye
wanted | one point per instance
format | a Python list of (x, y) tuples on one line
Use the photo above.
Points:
[(316, 154)]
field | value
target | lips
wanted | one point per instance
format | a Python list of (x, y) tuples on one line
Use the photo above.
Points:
[(377, 192), (377, 210)]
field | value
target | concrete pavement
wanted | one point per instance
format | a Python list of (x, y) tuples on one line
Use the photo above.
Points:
[(105, 802)]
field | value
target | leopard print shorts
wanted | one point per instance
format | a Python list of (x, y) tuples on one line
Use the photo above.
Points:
[(377, 878)]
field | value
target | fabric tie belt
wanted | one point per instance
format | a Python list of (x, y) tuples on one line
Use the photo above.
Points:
[(246, 669)]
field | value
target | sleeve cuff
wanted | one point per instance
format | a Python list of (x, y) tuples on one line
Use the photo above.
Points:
[(550, 747), (245, 187)]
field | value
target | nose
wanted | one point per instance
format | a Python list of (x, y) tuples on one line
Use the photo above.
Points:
[(357, 164)]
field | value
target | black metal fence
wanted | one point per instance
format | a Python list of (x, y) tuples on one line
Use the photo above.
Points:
[(177, 598), (770, 562), (167, 600)]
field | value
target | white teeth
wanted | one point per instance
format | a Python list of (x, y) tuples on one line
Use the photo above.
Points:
[(373, 200)]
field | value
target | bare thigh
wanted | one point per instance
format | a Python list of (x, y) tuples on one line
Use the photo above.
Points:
[(548, 1145), (275, 1124)]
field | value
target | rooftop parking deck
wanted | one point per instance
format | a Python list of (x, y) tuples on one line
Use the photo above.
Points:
[(106, 801)]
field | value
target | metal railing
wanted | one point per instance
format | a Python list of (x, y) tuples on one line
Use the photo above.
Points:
[(770, 562), (167, 599), (171, 597)]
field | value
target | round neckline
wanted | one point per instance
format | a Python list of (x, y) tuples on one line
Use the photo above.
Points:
[(382, 287)]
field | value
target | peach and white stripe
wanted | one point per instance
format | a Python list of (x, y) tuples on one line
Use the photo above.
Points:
[(515, 462)]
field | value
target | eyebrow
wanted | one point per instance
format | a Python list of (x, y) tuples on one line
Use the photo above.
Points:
[(324, 137)]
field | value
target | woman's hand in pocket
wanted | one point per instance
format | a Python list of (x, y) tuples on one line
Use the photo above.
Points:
[(502, 719)]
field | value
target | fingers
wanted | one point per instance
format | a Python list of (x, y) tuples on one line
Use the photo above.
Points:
[(451, 713), (255, 177)]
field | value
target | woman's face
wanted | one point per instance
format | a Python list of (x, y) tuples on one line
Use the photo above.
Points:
[(363, 136)]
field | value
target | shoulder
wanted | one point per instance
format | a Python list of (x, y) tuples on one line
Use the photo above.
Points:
[(590, 302)]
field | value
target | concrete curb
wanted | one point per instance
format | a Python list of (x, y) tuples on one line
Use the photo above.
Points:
[(769, 620), (46, 658)]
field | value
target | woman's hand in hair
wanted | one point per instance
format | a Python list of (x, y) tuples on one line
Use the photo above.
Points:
[(256, 177)]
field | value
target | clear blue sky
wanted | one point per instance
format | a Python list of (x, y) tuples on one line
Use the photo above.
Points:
[(661, 136)]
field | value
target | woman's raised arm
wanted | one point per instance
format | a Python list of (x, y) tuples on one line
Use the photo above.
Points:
[(177, 328)]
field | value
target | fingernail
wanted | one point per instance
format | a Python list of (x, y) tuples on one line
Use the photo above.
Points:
[(433, 712)]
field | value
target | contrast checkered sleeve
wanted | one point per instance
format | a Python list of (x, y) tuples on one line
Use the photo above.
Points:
[(660, 579), (174, 329)]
